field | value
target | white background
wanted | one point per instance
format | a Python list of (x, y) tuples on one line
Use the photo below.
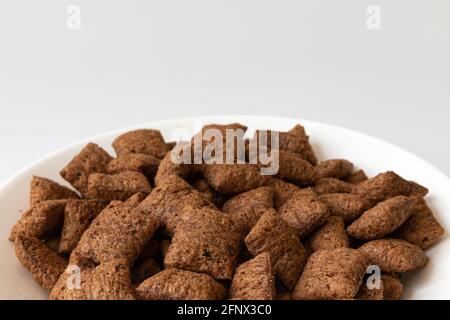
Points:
[(138, 61)]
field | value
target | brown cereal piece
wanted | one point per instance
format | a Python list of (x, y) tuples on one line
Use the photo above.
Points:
[(336, 168), (119, 186), (136, 199), (143, 270), (331, 274), (346, 205), (283, 191), (169, 167), (417, 190), (293, 168), (382, 219), (394, 255), (422, 228), (272, 235), (92, 159), (169, 198), (43, 263), (295, 140), (171, 145), (145, 141), (118, 232), (366, 293), (78, 215), (331, 235), (357, 177), (393, 288), (107, 281), (254, 280), (387, 185), (246, 208), (42, 189), (41, 220), (175, 284), (233, 179), (143, 163), (205, 241), (304, 213), (210, 194), (332, 185)]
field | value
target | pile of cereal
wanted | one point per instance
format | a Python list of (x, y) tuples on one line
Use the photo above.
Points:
[(141, 226)]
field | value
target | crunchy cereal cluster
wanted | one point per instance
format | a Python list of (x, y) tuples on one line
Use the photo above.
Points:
[(140, 226)]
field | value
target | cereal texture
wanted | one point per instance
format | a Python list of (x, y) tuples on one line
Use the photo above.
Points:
[(332, 185), (336, 168), (78, 215), (205, 241), (366, 293), (145, 141), (175, 284), (422, 228), (232, 179), (143, 163), (210, 194), (293, 168), (254, 280), (304, 213), (107, 281), (246, 208), (282, 190), (92, 159), (41, 220), (272, 235), (393, 255), (169, 167), (392, 287), (118, 232), (331, 274), (387, 185), (119, 186), (143, 270), (42, 189), (43, 263), (331, 235), (382, 219), (357, 177), (346, 205)]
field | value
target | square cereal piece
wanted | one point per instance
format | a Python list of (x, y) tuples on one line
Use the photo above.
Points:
[(336, 168), (246, 208), (332, 185), (304, 213), (331, 235), (78, 215), (283, 191), (107, 281), (422, 228), (234, 178), (43, 263), (169, 198), (387, 185), (143, 163), (41, 220), (205, 241), (42, 189), (272, 235), (175, 284), (346, 205), (92, 159), (382, 219), (146, 141), (331, 275), (254, 280), (293, 168), (119, 186), (172, 164), (210, 194), (394, 255), (357, 177), (119, 232)]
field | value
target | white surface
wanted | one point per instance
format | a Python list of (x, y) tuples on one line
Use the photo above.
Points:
[(137, 61), (329, 142)]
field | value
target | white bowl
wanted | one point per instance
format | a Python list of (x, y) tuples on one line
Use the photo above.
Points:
[(371, 154)]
